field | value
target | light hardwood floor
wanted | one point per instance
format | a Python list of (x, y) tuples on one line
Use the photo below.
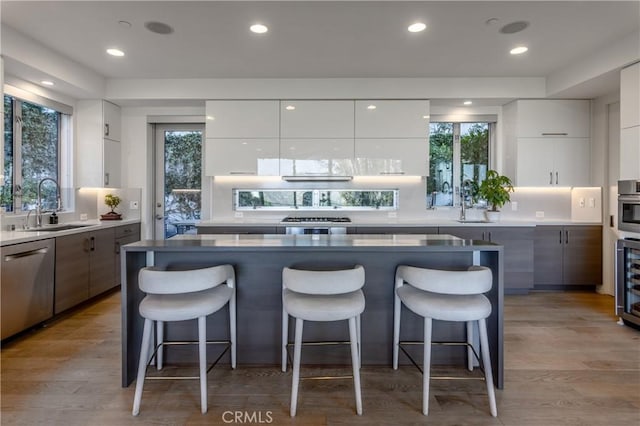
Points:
[(567, 363)]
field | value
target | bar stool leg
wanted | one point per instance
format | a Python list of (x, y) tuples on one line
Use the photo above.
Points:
[(297, 349), (160, 340), (397, 309), (359, 333), (142, 365), (426, 366), (486, 362), (285, 339), (353, 335), (232, 328), (202, 349), (470, 345)]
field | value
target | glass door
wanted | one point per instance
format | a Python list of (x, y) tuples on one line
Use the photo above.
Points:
[(178, 191)]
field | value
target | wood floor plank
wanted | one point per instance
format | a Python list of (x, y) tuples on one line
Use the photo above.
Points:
[(567, 362)]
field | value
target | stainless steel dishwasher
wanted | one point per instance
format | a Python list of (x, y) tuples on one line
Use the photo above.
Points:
[(27, 285)]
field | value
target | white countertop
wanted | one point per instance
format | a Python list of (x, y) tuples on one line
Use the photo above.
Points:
[(25, 236)]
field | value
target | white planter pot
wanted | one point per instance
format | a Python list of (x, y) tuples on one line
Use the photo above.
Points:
[(492, 216)]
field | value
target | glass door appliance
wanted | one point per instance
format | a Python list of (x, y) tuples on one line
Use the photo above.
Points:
[(628, 281)]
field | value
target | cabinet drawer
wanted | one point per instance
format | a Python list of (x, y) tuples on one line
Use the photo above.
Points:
[(128, 230)]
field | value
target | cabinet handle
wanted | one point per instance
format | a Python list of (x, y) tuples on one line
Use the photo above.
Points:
[(482, 235), (566, 237), (106, 129), (242, 173), (391, 173), (555, 134), (106, 178), (25, 254), (550, 178), (556, 178), (560, 241), (489, 235), (93, 244)]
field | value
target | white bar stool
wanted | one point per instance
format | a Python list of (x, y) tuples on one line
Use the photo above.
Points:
[(180, 296), (445, 296), (322, 296)]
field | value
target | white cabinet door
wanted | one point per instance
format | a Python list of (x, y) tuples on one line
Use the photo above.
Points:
[(630, 153), (242, 156), (553, 162), (392, 118), (630, 96), (242, 119), (572, 162), (305, 157), (535, 162), (112, 163), (316, 119), (374, 157), (553, 118), (111, 121)]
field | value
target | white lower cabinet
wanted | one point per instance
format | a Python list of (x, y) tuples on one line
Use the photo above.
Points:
[(316, 157), (553, 162), (238, 157), (407, 157)]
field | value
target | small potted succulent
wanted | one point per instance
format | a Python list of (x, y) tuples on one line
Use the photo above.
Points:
[(112, 201), (495, 189)]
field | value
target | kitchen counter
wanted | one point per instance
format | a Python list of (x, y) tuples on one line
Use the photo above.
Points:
[(258, 261), (24, 236)]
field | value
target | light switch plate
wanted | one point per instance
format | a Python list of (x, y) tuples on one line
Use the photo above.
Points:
[(539, 214), (238, 214), (514, 206)]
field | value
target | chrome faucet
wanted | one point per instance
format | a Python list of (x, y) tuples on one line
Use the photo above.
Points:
[(39, 210), (464, 191)]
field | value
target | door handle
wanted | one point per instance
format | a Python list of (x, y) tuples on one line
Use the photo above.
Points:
[(158, 217)]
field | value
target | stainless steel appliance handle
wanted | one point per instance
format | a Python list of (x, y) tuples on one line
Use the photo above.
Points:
[(629, 198), (10, 257)]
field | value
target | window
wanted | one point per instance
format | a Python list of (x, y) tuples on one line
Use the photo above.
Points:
[(457, 152), (32, 141)]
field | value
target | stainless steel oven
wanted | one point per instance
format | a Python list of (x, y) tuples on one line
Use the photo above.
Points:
[(629, 205), (628, 281), (315, 230), (315, 225)]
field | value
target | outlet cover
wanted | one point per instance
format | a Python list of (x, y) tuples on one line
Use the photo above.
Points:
[(539, 214), (83, 216), (592, 202), (133, 205), (392, 215), (238, 214), (514, 206)]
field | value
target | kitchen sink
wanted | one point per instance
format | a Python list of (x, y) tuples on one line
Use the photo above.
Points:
[(54, 228)]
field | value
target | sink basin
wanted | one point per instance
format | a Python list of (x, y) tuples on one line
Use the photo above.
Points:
[(472, 221), (54, 228)]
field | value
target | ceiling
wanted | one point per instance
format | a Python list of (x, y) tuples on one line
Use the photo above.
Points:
[(323, 39)]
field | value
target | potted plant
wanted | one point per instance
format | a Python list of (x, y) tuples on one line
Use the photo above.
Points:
[(112, 201), (495, 189)]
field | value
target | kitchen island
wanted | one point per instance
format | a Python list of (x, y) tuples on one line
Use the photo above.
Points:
[(258, 261)]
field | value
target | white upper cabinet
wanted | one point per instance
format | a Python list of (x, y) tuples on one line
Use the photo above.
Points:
[(550, 161), (392, 118), (242, 119), (630, 96), (98, 149), (401, 156), (316, 119), (242, 157), (111, 120), (630, 153), (312, 157), (553, 118)]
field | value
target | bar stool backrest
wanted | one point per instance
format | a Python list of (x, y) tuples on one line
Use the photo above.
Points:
[(475, 280), (323, 282), (156, 281)]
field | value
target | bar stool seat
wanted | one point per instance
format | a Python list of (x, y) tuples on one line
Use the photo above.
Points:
[(444, 307), (315, 307), (186, 306)]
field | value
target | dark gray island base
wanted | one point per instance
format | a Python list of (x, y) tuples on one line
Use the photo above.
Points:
[(258, 261)]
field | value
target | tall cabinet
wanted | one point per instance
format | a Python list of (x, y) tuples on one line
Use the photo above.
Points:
[(630, 122), (98, 148), (547, 142)]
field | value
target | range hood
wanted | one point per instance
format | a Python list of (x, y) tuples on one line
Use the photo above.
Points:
[(317, 178)]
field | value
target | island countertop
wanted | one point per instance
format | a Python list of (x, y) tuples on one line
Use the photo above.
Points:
[(258, 261)]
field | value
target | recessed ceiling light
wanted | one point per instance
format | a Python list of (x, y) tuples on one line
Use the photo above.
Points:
[(425, 116), (259, 28), (47, 83), (371, 107), (467, 103), (417, 27), (289, 107), (115, 52), (518, 50)]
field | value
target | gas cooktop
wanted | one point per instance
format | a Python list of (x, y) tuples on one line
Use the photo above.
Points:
[(319, 219)]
